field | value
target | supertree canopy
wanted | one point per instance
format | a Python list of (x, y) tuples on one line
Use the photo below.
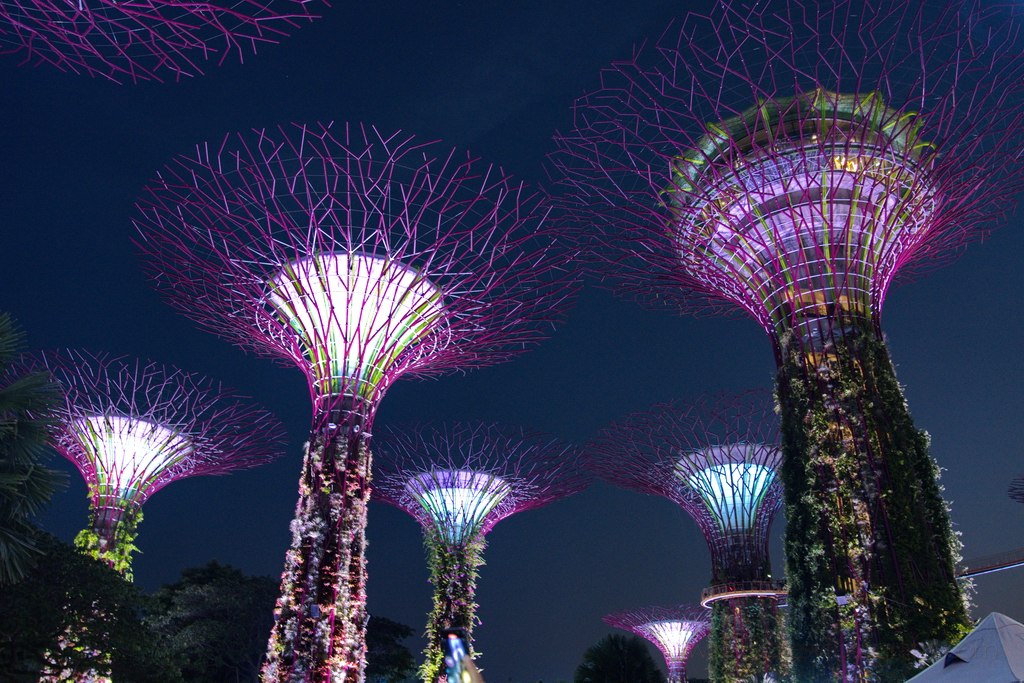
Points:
[(145, 39), (674, 630), (458, 481), (791, 162), (718, 460), (359, 257), (131, 428)]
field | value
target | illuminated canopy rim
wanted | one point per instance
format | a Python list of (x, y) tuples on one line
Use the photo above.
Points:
[(357, 315), (458, 501), (818, 117), (128, 455), (733, 481)]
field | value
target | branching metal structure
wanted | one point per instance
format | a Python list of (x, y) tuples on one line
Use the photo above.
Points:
[(131, 428), (674, 630), (718, 460), (142, 40), (792, 161), (459, 480), (360, 258)]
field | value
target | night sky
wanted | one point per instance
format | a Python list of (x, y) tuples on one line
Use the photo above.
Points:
[(499, 79)]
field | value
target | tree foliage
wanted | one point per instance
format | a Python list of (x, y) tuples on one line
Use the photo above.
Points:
[(618, 659), (27, 400), (215, 622), (869, 546), (74, 615), (388, 660)]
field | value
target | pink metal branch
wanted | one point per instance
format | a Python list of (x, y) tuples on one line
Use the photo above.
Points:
[(673, 169), (513, 469), (194, 426), (142, 39), (358, 256)]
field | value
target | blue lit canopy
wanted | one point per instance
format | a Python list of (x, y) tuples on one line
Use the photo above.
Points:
[(731, 481), (458, 501)]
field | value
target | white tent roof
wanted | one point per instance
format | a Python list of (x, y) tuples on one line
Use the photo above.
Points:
[(993, 652)]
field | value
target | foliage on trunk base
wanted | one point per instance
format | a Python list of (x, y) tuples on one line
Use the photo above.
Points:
[(869, 548), (453, 572)]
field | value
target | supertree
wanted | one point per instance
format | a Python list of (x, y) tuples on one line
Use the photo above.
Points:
[(458, 480), (360, 258), (674, 630), (132, 427), (790, 161), (718, 460), (145, 39)]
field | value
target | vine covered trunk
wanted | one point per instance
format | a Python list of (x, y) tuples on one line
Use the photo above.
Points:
[(870, 552), (319, 633), (453, 573), (110, 537), (746, 640)]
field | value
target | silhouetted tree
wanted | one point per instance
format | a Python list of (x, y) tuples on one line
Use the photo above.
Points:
[(387, 659), (215, 622), (26, 403), (618, 659), (70, 598)]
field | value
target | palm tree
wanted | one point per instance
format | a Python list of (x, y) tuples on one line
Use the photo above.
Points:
[(618, 659), (27, 400)]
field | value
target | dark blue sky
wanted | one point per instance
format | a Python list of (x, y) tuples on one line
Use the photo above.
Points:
[(497, 78)]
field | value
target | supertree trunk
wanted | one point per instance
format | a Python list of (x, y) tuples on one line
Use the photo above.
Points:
[(453, 572), (319, 633), (869, 545), (745, 640), (110, 538)]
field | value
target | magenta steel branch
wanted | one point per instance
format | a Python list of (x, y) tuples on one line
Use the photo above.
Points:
[(359, 257), (143, 40), (131, 428), (458, 480), (675, 631)]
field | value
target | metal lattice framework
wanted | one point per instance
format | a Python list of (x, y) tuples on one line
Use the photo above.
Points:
[(458, 480), (793, 163), (131, 428), (716, 458), (674, 630), (142, 40), (359, 257), (461, 479)]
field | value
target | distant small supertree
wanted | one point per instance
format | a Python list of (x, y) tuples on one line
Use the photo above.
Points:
[(458, 481), (674, 630), (718, 460), (792, 160), (360, 258), (131, 428), (144, 39)]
